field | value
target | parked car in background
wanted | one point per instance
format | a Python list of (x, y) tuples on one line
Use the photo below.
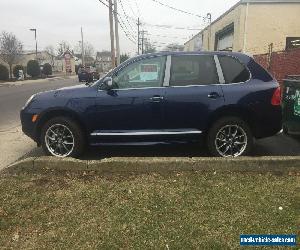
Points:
[(222, 98), (87, 74)]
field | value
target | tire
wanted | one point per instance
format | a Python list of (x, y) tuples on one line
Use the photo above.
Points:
[(229, 137), (62, 137)]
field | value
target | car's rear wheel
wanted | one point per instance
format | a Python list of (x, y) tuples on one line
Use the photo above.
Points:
[(230, 137), (62, 137)]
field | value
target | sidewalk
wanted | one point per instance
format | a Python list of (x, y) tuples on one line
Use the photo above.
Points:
[(55, 78)]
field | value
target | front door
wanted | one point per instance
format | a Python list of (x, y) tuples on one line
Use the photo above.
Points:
[(194, 93), (134, 105)]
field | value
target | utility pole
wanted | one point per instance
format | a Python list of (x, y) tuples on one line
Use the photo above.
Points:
[(209, 30), (138, 24), (82, 49), (117, 32), (112, 42)]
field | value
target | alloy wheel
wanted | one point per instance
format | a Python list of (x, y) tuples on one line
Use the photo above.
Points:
[(231, 141), (59, 140)]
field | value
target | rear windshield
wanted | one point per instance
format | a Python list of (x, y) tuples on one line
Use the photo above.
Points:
[(233, 70)]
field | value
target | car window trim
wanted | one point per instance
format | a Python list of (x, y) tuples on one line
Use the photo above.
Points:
[(219, 70), (195, 85), (244, 65), (166, 82)]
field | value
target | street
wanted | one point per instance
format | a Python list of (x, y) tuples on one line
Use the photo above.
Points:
[(15, 145)]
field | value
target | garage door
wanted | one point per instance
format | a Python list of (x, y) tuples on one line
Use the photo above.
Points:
[(225, 42)]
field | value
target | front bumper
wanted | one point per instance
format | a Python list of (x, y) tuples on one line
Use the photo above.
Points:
[(28, 127)]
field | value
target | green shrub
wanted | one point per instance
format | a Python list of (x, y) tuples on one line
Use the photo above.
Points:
[(16, 70), (4, 74), (33, 68), (47, 69)]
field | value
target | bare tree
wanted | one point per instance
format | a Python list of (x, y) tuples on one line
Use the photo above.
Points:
[(50, 50), (10, 49), (89, 49), (62, 47)]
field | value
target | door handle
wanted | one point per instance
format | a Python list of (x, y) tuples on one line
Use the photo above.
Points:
[(214, 95), (156, 98)]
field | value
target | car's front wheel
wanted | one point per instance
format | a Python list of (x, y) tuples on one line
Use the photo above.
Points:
[(62, 137), (229, 137)]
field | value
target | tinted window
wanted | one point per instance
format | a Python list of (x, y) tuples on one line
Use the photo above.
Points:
[(233, 70), (144, 73), (193, 70)]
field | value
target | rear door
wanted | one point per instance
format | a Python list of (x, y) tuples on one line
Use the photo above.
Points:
[(193, 93)]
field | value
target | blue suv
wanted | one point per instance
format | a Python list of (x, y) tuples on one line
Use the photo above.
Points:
[(223, 98)]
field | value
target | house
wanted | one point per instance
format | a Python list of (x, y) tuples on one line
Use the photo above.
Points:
[(252, 26), (88, 60), (103, 61), (68, 61)]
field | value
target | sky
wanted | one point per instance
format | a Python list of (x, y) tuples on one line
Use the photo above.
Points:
[(58, 20)]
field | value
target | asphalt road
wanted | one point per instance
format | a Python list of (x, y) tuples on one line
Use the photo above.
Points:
[(15, 145)]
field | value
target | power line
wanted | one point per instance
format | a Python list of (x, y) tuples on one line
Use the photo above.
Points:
[(125, 29), (176, 9), (165, 26), (167, 36), (138, 8), (130, 7), (121, 22), (125, 14)]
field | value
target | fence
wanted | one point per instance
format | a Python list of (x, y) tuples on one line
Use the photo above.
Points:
[(280, 64)]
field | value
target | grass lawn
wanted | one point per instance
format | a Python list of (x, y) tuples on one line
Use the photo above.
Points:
[(190, 210)]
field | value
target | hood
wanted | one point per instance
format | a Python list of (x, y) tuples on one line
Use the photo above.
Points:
[(72, 90)]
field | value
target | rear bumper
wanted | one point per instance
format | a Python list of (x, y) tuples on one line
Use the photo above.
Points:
[(269, 124)]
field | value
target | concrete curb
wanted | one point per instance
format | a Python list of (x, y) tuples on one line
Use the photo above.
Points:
[(282, 165)]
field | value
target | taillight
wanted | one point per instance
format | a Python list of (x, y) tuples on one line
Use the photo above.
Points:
[(276, 98)]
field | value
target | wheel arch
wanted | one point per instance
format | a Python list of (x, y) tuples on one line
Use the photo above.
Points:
[(57, 112), (243, 113)]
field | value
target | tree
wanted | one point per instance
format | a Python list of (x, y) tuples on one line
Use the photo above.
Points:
[(10, 49), (3, 73), (88, 48), (33, 68), (149, 48), (124, 57), (174, 47), (62, 47), (16, 70), (47, 69), (50, 50)]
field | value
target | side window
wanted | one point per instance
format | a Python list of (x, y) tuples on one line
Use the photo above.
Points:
[(233, 70), (193, 70), (141, 74)]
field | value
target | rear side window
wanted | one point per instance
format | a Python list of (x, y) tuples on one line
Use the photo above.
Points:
[(193, 70), (233, 70)]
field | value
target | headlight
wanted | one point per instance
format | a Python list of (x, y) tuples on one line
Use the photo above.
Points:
[(29, 101)]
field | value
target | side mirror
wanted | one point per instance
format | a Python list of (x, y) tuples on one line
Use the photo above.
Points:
[(107, 82)]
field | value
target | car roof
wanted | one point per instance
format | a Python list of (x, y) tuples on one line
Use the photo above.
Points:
[(243, 57)]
